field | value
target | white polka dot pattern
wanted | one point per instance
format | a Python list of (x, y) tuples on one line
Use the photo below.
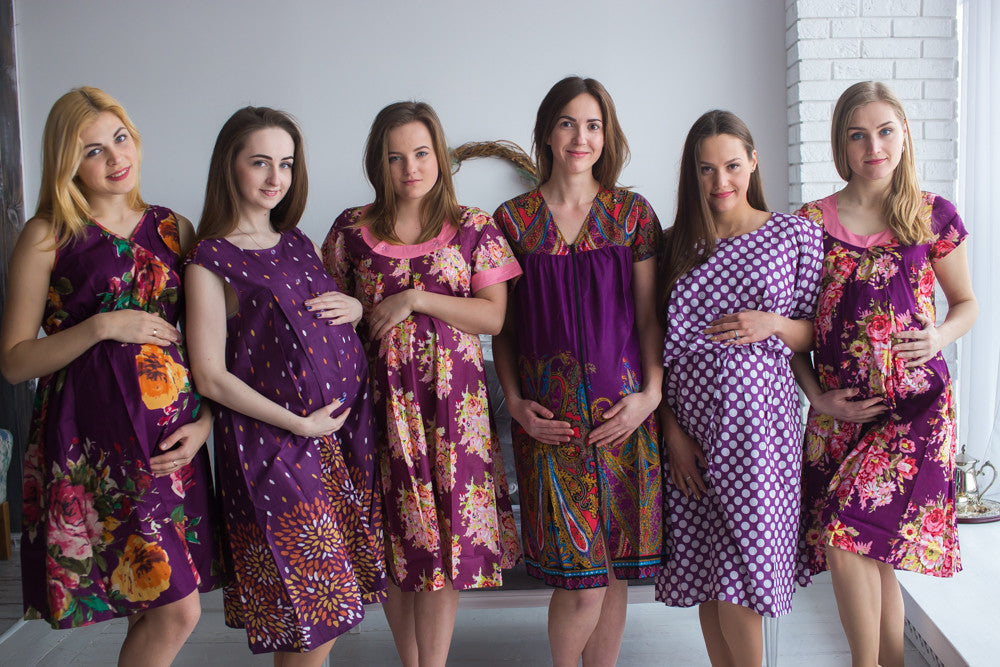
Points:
[(737, 543)]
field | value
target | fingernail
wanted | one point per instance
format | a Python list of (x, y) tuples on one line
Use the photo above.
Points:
[(308, 307), (343, 397), (330, 322), (318, 315)]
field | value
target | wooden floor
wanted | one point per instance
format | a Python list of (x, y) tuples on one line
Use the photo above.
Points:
[(655, 635)]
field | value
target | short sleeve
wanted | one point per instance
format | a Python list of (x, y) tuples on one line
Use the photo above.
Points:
[(809, 268), (492, 258), (204, 254), (335, 256), (648, 231), (948, 228)]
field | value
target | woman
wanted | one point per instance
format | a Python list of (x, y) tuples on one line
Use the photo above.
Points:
[(116, 482), (730, 414), (880, 439), (431, 276), (272, 343), (578, 363)]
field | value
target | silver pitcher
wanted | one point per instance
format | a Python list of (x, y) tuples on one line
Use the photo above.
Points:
[(967, 493)]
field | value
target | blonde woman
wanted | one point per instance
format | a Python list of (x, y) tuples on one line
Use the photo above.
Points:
[(116, 481), (880, 439)]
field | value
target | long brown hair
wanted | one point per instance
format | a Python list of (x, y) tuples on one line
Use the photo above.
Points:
[(903, 206), (691, 241), (615, 153), (60, 200), (220, 215), (438, 206)]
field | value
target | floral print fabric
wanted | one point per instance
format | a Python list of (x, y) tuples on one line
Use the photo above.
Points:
[(578, 354), (447, 509), (102, 537), (303, 540), (883, 490)]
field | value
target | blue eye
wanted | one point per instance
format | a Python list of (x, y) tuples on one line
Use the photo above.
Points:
[(734, 166), (856, 136), (93, 152), (393, 158), (286, 165), (260, 163), (885, 131), (422, 153), (120, 138)]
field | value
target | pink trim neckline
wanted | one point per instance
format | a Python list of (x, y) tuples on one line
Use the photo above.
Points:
[(386, 249), (836, 229)]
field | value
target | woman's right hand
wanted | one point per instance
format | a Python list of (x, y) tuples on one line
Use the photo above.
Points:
[(685, 455), (136, 326), (321, 422), (538, 421), (838, 405)]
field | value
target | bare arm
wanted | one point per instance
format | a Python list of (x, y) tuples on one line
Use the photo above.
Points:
[(625, 416), (23, 355), (482, 313), (533, 417), (952, 271), (753, 326), (836, 402), (206, 320)]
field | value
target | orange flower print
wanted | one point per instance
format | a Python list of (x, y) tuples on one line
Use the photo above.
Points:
[(161, 379), (143, 571), (168, 232)]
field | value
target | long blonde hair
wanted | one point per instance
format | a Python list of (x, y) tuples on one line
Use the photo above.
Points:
[(903, 208), (60, 200), (439, 205)]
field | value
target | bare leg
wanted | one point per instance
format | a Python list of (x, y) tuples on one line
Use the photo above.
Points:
[(858, 588), (741, 628), (434, 620), (573, 615), (893, 615), (313, 658), (398, 609), (156, 635), (711, 630), (605, 641)]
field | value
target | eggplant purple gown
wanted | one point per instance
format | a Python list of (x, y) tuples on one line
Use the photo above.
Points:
[(737, 543), (302, 516), (101, 536), (884, 490), (447, 509), (578, 354)]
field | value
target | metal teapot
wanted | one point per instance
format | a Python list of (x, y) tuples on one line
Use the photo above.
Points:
[(967, 493)]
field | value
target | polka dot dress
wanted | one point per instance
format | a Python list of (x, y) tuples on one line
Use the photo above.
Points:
[(737, 543)]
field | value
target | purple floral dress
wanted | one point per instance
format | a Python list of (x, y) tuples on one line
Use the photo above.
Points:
[(447, 510), (884, 489), (102, 537), (737, 543), (302, 515), (578, 354)]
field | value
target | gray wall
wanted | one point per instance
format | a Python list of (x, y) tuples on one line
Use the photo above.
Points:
[(181, 67)]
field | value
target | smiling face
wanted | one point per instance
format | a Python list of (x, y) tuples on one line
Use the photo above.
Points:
[(263, 170), (875, 140), (413, 164), (110, 163), (724, 169), (577, 139)]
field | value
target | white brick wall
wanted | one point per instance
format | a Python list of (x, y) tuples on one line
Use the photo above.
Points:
[(911, 45)]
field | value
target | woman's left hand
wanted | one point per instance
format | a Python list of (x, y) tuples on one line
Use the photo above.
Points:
[(746, 326), (622, 419), (335, 308), (922, 345), (191, 437), (390, 311)]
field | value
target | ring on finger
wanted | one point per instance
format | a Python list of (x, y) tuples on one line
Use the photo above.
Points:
[(735, 334), (156, 332)]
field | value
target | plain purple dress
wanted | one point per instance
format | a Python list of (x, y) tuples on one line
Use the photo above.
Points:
[(302, 516), (737, 543)]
